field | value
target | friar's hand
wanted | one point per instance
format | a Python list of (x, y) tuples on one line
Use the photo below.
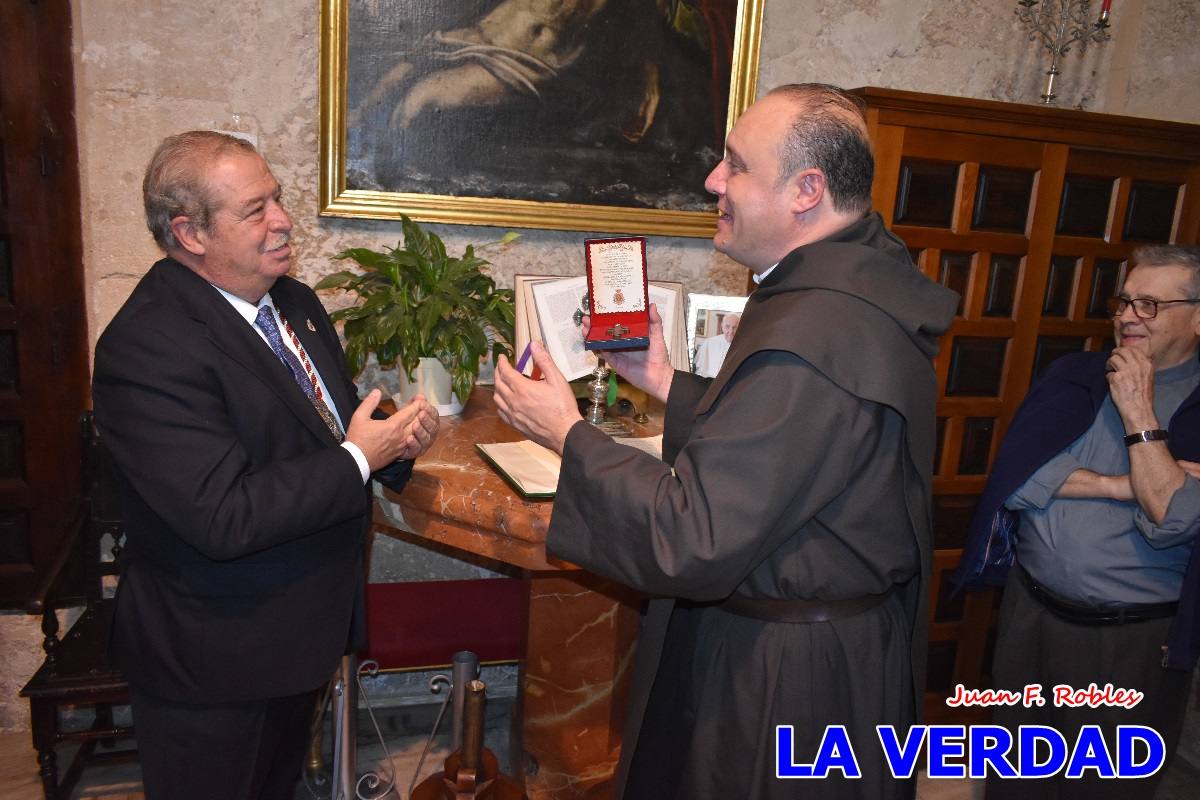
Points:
[(543, 410), (650, 370), (1130, 374)]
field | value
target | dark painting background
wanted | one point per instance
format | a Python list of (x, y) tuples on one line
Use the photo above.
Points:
[(570, 143)]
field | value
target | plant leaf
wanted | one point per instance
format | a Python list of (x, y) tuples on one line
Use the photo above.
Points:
[(368, 259), (338, 280), (415, 300)]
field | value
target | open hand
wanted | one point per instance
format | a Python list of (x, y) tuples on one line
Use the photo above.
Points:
[(543, 410)]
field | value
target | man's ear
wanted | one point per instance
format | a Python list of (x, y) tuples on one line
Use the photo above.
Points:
[(188, 234), (808, 188)]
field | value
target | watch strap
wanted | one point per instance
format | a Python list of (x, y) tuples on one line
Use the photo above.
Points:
[(1158, 435)]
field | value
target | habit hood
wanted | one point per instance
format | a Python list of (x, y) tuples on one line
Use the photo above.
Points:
[(857, 310)]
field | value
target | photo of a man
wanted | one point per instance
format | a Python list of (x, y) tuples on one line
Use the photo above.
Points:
[(711, 350)]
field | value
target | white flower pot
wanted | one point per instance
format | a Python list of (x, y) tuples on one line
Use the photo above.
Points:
[(432, 380)]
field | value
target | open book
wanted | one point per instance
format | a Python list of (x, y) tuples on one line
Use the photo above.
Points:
[(533, 470), (545, 312)]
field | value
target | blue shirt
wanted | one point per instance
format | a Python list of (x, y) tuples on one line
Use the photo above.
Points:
[(1108, 552)]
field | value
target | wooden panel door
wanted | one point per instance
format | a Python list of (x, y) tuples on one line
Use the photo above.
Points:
[(1031, 215), (43, 331)]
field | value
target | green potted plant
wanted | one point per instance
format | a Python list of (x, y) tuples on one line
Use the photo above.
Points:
[(417, 305)]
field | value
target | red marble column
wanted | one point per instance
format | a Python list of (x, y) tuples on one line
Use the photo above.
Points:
[(579, 659)]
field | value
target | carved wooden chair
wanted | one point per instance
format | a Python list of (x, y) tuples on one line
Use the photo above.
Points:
[(76, 672)]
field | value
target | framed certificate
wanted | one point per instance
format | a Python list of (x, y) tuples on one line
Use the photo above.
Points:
[(618, 300)]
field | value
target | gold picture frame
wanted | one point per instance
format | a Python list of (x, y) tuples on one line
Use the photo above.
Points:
[(337, 200)]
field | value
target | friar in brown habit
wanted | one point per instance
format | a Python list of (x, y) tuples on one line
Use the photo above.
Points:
[(787, 534)]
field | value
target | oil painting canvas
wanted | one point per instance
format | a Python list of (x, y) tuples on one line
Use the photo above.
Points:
[(620, 103)]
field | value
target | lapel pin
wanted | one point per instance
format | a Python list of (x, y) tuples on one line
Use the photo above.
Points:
[(310, 325)]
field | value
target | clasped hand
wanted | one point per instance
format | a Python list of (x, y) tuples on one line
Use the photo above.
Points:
[(406, 434)]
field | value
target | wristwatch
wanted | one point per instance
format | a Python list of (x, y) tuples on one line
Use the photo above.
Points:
[(1158, 435)]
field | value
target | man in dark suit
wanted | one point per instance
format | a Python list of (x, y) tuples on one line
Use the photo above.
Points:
[(219, 388)]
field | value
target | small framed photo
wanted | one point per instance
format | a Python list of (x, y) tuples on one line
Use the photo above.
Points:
[(712, 322)]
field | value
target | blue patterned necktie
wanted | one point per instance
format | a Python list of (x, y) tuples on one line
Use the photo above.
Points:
[(306, 379)]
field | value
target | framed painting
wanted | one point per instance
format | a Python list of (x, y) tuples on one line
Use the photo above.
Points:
[(593, 115)]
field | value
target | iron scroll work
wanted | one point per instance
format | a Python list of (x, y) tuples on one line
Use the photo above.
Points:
[(600, 117)]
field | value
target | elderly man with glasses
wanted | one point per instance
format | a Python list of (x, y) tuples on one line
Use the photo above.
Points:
[(1095, 496)]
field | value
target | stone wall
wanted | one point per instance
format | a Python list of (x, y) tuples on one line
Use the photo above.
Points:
[(149, 68), (20, 656), (162, 66)]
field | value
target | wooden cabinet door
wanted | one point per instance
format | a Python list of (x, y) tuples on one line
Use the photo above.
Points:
[(43, 321), (1032, 216)]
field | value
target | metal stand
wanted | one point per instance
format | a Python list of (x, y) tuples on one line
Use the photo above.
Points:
[(345, 730), (1060, 24), (596, 414), (464, 669)]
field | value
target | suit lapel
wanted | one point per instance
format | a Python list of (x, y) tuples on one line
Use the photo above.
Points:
[(230, 334)]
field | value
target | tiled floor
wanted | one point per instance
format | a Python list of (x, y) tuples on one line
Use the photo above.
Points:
[(19, 775), (404, 728), (19, 772)]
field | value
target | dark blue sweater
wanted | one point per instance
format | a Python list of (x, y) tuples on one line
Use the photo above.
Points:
[(1059, 408)]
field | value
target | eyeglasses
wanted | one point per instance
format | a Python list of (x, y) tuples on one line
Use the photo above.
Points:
[(1143, 308)]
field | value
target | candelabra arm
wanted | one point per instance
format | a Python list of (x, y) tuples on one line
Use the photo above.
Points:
[(1060, 24)]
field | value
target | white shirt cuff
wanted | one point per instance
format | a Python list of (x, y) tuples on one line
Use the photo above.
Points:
[(364, 469)]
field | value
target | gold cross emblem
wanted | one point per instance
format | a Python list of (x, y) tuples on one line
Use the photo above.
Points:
[(617, 331)]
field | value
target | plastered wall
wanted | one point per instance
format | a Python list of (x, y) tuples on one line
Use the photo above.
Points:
[(148, 68)]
